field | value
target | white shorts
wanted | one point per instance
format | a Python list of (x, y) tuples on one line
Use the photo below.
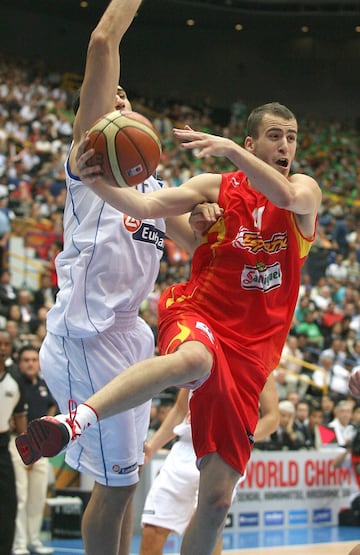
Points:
[(172, 498), (111, 450), (173, 495)]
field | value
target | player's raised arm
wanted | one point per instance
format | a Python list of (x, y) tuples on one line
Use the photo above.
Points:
[(299, 193)]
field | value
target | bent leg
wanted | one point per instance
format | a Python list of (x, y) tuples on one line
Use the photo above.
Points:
[(217, 482), (103, 519), (144, 380)]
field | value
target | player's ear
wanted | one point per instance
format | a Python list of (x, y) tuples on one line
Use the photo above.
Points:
[(249, 144)]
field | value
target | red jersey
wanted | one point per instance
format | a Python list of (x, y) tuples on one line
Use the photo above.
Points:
[(245, 276), (239, 303)]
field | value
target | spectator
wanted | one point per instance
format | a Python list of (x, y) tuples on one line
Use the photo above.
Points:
[(341, 424), (301, 420), (12, 404), (31, 482), (338, 379), (8, 293), (328, 409), (45, 295), (311, 329), (285, 437), (309, 431)]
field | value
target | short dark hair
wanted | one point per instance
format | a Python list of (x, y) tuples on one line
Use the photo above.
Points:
[(24, 348), (257, 115)]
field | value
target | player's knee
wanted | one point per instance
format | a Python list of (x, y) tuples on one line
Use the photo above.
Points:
[(197, 361), (217, 508)]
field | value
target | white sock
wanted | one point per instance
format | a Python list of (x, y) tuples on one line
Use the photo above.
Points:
[(84, 416)]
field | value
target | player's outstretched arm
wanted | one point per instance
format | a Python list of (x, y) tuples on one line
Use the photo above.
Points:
[(166, 202), (300, 194), (166, 433)]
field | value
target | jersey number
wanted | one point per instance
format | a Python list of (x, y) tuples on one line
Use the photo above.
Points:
[(257, 215)]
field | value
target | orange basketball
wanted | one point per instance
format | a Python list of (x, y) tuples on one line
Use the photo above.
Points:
[(127, 147)]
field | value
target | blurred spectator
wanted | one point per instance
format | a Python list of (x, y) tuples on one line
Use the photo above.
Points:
[(291, 355), (285, 437), (338, 379), (340, 230), (322, 297), (12, 328), (341, 424), (311, 329), (309, 430), (8, 293), (352, 266), (301, 420), (330, 316), (336, 269), (12, 409), (5, 229), (45, 295), (336, 351), (328, 409), (28, 316), (31, 482)]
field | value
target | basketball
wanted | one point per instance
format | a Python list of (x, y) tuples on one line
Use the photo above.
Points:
[(127, 147)]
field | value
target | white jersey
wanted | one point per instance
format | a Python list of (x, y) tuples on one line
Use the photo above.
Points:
[(109, 263)]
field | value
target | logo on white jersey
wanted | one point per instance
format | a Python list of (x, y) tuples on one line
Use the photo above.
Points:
[(145, 232), (131, 224), (261, 277)]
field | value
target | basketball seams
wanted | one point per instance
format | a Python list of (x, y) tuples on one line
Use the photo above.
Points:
[(131, 140), (111, 144)]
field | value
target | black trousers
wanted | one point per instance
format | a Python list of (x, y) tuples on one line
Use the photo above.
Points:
[(8, 502)]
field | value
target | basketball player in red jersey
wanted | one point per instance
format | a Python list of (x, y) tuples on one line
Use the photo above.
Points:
[(222, 332)]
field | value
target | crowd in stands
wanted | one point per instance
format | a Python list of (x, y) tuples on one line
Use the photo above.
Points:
[(324, 343)]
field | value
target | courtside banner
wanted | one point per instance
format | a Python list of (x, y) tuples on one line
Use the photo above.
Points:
[(290, 488)]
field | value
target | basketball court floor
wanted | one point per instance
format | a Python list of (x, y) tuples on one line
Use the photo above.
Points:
[(331, 540)]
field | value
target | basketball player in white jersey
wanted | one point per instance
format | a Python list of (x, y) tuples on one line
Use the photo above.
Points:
[(172, 498), (108, 265)]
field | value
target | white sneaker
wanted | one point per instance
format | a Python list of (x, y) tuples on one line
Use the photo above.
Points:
[(37, 548)]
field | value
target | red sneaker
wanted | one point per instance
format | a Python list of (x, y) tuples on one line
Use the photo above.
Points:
[(48, 436)]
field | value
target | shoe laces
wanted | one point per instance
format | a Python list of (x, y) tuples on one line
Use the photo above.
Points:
[(71, 420)]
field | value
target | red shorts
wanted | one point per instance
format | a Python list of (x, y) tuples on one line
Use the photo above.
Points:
[(225, 408)]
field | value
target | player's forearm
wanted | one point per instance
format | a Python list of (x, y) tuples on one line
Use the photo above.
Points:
[(266, 425), (166, 431)]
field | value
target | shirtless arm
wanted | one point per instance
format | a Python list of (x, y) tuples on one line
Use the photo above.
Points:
[(102, 69), (171, 201), (166, 431), (269, 420), (300, 193)]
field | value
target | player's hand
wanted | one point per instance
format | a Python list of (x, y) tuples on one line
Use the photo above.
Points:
[(204, 143), (90, 175), (354, 383), (148, 452), (204, 215)]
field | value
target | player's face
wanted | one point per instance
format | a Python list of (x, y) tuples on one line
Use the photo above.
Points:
[(121, 100), (276, 142)]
